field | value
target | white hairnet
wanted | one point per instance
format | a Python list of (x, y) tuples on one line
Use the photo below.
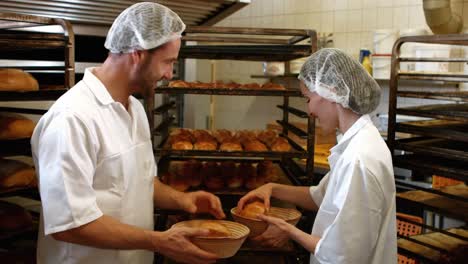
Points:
[(339, 78), (143, 26)]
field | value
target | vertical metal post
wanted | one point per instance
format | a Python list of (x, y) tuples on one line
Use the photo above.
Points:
[(392, 101)]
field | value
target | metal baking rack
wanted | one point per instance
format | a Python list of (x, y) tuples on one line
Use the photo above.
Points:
[(255, 44), (18, 42), (247, 44), (436, 147)]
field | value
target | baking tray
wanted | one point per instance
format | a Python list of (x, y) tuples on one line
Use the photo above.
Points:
[(225, 91), (420, 76), (461, 96), (458, 132), (40, 95), (441, 111), (437, 242), (436, 203), (435, 147), (430, 165)]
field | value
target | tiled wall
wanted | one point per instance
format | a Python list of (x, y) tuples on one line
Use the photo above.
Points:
[(352, 23)]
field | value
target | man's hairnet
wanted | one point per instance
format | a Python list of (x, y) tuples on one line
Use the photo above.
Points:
[(143, 26), (339, 78)]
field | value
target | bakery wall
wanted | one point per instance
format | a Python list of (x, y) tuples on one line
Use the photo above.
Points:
[(352, 23)]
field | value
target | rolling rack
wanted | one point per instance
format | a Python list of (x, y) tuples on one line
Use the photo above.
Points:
[(437, 147), (27, 49), (250, 44)]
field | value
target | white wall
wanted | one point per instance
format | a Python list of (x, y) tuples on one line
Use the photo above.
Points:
[(352, 23)]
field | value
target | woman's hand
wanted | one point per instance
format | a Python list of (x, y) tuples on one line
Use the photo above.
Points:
[(263, 193), (272, 237), (201, 202)]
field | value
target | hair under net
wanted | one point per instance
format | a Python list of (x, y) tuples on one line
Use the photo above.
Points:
[(339, 78), (143, 26)]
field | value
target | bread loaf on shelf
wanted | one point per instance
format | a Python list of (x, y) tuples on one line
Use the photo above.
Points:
[(15, 126), (17, 80), (14, 174), (181, 139), (280, 144), (179, 84), (212, 177), (13, 217)]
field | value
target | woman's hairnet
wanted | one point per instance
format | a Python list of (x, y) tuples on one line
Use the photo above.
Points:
[(339, 78), (143, 26)]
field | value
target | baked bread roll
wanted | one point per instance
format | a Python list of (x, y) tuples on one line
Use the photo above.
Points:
[(273, 86), (216, 228), (192, 171), (206, 145), (266, 172), (179, 84), (232, 85), (230, 174), (281, 144), (17, 80), (233, 145), (178, 183), (222, 135), (204, 140), (202, 85), (13, 217), (252, 86), (14, 126), (14, 173), (181, 139), (267, 136), (252, 210), (254, 145), (212, 177)]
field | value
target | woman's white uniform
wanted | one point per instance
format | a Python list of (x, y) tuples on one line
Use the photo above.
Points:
[(356, 219), (93, 158)]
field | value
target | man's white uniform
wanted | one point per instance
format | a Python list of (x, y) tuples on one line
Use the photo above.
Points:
[(356, 219), (93, 158)]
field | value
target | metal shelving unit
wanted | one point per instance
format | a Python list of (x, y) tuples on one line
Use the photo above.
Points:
[(283, 45), (53, 82), (437, 146)]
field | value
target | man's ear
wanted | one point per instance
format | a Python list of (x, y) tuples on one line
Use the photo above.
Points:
[(138, 56)]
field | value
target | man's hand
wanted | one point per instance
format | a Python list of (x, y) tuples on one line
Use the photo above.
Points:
[(263, 193), (175, 244), (272, 237), (201, 202)]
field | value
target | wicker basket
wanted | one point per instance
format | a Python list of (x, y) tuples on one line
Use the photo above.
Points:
[(257, 226), (221, 246), (408, 229)]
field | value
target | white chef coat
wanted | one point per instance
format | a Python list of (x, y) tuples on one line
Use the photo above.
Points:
[(93, 158), (356, 218)]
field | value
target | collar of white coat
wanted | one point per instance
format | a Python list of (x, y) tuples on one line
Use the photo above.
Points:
[(97, 87), (339, 148)]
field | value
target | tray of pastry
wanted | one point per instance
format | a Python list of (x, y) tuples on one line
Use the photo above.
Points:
[(221, 177), (435, 246), (222, 142), (437, 203), (231, 88)]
